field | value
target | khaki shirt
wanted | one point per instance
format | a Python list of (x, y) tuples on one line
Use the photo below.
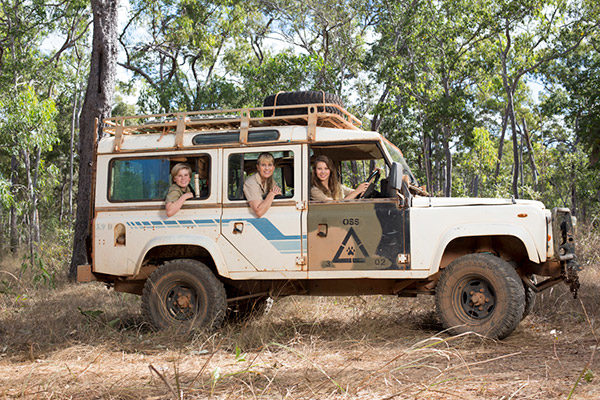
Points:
[(253, 188), (317, 194), (175, 192)]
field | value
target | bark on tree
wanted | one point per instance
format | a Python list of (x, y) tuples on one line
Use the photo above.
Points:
[(501, 143), (448, 157), (427, 160), (534, 171), (76, 97), (14, 239), (97, 104)]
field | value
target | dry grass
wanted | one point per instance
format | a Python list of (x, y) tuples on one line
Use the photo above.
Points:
[(83, 342)]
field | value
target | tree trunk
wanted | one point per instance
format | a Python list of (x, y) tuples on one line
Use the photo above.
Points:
[(97, 104), (534, 171), (513, 127), (354, 175), (501, 143), (35, 219), (448, 156), (14, 240), (427, 160), (72, 147)]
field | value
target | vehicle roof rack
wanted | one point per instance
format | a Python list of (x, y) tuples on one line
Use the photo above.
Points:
[(312, 115)]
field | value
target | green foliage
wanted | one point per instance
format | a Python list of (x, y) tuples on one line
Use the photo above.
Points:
[(42, 275), (28, 122), (428, 75)]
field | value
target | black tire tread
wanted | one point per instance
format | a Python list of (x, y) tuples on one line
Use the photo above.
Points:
[(494, 266), (217, 300), (305, 97), (529, 301)]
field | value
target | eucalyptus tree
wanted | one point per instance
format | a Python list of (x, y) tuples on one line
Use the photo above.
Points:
[(332, 33), (427, 60), (571, 107), (531, 34), (175, 49), (27, 129), (97, 105), (25, 64)]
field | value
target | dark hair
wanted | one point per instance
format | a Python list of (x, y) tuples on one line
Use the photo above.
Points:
[(334, 190)]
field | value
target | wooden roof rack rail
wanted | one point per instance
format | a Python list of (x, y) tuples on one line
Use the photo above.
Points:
[(179, 123)]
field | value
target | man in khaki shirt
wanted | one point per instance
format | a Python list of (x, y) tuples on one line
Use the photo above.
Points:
[(260, 189)]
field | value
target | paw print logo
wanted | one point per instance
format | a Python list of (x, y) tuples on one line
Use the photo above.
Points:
[(350, 250)]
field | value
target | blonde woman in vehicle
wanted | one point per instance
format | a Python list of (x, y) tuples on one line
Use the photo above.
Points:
[(180, 190), (260, 189), (326, 185)]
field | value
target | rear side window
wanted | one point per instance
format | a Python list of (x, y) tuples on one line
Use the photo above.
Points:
[(241, 166), (149, 179)]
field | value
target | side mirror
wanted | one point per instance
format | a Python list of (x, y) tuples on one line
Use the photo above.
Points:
[(397, 185), (394, 180)]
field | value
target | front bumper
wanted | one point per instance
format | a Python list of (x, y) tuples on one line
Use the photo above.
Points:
[(563, 234)]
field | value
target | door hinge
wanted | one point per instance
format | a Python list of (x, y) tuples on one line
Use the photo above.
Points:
[(300, 205)]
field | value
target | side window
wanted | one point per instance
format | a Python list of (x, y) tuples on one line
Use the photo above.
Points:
[(243, 165), (149, 179)]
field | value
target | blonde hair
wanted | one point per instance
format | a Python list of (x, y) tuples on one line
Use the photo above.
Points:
[(178, 167), (335, 189), (266, 156)]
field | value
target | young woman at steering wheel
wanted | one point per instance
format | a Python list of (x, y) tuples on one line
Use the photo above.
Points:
[(325, 185)]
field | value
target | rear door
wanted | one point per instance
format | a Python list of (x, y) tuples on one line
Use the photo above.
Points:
[(274, 241)]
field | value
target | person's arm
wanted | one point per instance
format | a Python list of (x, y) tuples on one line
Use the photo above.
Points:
[(173, 207), (260, 207), (317, 194), (358, 191)]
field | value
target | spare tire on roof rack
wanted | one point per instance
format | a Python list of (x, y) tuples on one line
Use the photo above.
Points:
[(307, 97)]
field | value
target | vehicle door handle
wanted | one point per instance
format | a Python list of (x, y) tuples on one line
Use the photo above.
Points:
[(322, 230), (238, 227)]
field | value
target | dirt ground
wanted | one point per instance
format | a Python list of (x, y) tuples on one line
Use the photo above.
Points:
[(85, 342)]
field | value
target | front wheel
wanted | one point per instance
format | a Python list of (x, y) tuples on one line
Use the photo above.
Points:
[(480, 293), (184, 293)]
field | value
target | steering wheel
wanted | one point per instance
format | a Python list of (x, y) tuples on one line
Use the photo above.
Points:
[(373, 178)]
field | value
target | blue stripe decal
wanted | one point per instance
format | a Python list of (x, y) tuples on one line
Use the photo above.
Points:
[(266, 228), (204, 221), (285, 244)]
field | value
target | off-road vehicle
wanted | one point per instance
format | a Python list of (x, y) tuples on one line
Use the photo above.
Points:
[(478, 256)]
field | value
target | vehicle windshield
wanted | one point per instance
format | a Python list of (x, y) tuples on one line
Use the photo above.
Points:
[(396, 156)]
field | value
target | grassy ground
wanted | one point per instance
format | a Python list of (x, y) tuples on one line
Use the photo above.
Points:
[(82, 341)]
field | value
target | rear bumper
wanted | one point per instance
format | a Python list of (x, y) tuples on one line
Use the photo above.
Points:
[(85, 274)]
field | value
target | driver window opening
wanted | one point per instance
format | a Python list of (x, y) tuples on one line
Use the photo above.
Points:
[(354, 164)]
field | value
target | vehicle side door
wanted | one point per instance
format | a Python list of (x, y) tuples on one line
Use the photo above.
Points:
[(272, 243)]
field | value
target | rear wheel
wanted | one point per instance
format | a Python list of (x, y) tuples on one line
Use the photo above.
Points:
[(480, 293), (293, 98), (184, 293)]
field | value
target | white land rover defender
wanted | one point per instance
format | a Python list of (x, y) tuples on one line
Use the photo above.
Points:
[(476, 255)]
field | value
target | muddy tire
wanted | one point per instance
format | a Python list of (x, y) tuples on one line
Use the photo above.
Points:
[(184, 293), (529, 300), (480, 293), (293, 98)]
